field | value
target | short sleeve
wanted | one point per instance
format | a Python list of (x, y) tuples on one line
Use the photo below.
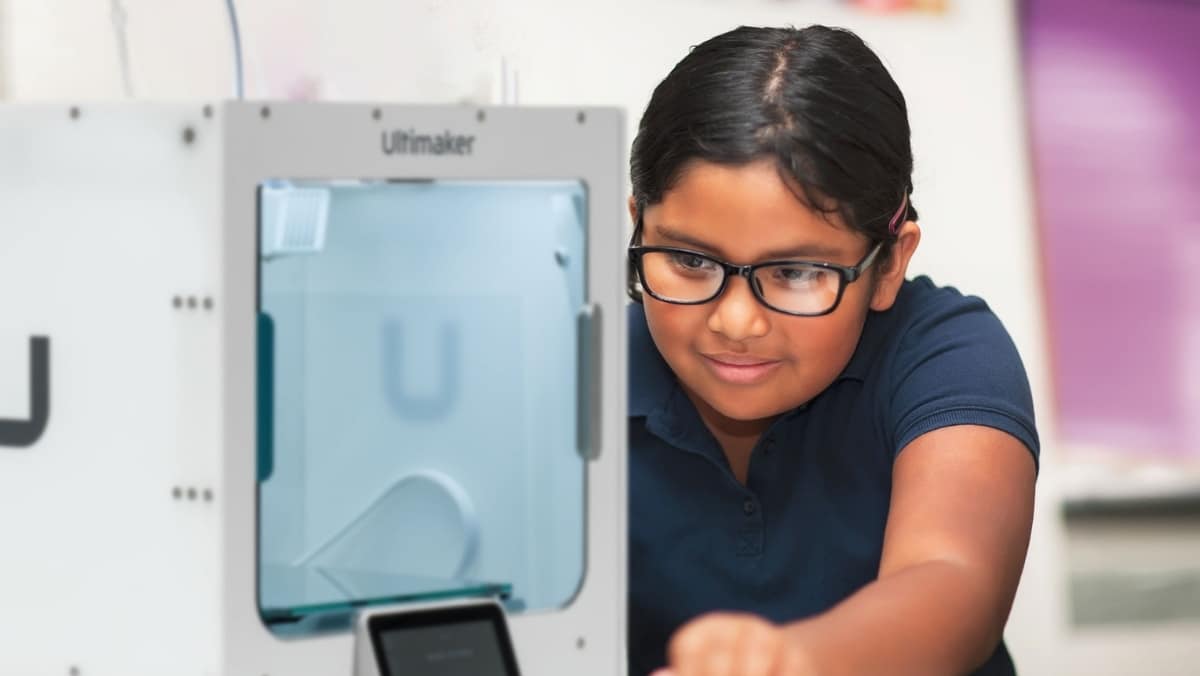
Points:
[(956, 365)]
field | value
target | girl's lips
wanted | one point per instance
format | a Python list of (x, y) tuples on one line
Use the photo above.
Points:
[(740, 369)]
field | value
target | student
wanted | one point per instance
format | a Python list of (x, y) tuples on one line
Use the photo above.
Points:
[(831, 466)]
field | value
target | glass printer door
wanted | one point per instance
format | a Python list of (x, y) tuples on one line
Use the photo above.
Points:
[(418, 398)]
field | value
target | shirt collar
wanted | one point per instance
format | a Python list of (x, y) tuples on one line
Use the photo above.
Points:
[(874, 338), (868, 346), (654, 394), (651, 381)]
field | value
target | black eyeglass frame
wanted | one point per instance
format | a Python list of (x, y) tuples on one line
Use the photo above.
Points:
[(846, 275)]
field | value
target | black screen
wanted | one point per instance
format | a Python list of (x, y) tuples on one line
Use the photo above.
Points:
[(461, 641)]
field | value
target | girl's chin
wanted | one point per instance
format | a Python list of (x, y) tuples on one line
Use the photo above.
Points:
[(742, 408)]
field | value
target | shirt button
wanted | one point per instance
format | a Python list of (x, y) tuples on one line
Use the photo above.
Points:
[(749, 507)]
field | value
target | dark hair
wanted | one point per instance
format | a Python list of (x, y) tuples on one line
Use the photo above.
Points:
[(817, 100)]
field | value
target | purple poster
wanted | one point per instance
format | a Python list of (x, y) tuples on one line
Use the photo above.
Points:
[(1114, 109)]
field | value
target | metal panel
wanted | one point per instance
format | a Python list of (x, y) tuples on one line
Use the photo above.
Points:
[(128, 238), (108, 249), (305, 141)]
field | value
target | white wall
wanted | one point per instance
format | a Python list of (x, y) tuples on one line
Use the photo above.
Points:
[(959, 73), (4, 48)]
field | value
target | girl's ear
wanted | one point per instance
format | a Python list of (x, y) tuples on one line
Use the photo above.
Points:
[(633, 211), (891, 277)]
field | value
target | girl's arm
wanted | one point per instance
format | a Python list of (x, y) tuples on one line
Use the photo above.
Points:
[(957, 532)]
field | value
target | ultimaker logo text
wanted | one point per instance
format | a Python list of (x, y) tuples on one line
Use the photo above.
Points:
[(408, 142)]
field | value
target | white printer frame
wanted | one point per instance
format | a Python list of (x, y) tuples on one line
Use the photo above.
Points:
[(128, 252)]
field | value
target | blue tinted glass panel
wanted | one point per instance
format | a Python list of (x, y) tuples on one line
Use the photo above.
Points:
[(417, 392)]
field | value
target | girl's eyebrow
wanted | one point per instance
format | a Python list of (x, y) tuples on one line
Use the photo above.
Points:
[(805, 251), (677, 236)]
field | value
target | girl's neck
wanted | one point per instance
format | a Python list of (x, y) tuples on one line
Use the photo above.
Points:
[(736, 437)]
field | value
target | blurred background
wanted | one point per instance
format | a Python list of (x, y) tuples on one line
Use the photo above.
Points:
[(1057, 174)]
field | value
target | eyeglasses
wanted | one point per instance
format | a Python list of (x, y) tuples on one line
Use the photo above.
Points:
[(799, 288)]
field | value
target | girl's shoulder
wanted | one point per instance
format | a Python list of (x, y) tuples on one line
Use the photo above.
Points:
[(922, 300), (940, 357), (927, 318)]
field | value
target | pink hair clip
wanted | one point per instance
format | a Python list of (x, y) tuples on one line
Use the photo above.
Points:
[(894, 224)]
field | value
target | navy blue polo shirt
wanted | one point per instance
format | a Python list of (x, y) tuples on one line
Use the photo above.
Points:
[(806, 531)]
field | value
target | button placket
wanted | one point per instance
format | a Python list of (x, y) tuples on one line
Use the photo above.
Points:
[(750, 535)]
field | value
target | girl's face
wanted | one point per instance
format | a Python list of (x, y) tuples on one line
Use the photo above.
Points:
[(733, 355)]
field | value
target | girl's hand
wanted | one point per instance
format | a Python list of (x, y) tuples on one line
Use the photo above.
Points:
[(728, 644)]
